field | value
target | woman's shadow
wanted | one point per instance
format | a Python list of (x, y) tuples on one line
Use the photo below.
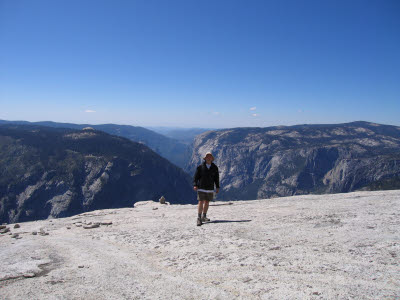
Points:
[(227, 221)]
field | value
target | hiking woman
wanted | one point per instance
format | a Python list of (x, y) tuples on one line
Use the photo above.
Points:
[(203, 183)]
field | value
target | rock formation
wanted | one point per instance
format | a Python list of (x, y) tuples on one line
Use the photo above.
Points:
[(343, 246), (60, 172), (258, 163), (173, 150)]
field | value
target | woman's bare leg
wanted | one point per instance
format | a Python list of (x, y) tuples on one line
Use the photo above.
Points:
[(200, 207), (205, 207)]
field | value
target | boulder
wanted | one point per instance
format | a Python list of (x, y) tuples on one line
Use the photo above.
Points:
[(91, 226), (106, 223), (162, 200), (42, 232), (142, 203), (5, 230)]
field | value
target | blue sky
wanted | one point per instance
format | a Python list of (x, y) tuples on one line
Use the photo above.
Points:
[(200, 63)]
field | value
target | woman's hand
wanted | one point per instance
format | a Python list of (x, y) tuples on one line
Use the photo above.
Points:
[(195, 188)]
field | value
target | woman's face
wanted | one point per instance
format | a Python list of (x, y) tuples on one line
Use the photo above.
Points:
[(209, 159)]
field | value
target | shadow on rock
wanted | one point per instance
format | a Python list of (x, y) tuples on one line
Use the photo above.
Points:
[(220, 204), (227, 221)]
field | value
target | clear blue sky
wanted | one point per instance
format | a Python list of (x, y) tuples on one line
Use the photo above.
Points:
[(200, 63)]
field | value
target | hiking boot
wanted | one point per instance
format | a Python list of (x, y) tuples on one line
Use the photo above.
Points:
[(205, 219), (199, 223)]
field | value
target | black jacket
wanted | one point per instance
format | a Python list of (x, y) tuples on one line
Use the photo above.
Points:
[(205, 178)]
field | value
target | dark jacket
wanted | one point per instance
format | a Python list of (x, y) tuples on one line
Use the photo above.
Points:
[(205, 178)]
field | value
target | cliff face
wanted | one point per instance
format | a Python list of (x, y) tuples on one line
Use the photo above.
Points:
[(176, 152), (61, 172), (283, 161)]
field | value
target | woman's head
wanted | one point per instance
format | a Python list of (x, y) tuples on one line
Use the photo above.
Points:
[(209, 158)]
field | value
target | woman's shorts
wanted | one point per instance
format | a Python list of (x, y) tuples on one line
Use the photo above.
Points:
[(203, 196)]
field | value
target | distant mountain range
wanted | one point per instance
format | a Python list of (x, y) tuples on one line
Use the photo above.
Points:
[(175, 151), (60, 172), (257, 163), (183, 135)]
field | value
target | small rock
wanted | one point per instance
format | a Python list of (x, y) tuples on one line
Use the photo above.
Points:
[(3, 226), (17, 226), (317, 293), (34, 233), (5, 230), (106, 223), (15, 235), (29, 275), (275, 248), (78, 225), (91, 226), (155, 208), (68, 227), (81, 266), (42, 232), (162, 200)]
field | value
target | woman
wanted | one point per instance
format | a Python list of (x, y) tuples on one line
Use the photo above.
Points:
[(203, 183)]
